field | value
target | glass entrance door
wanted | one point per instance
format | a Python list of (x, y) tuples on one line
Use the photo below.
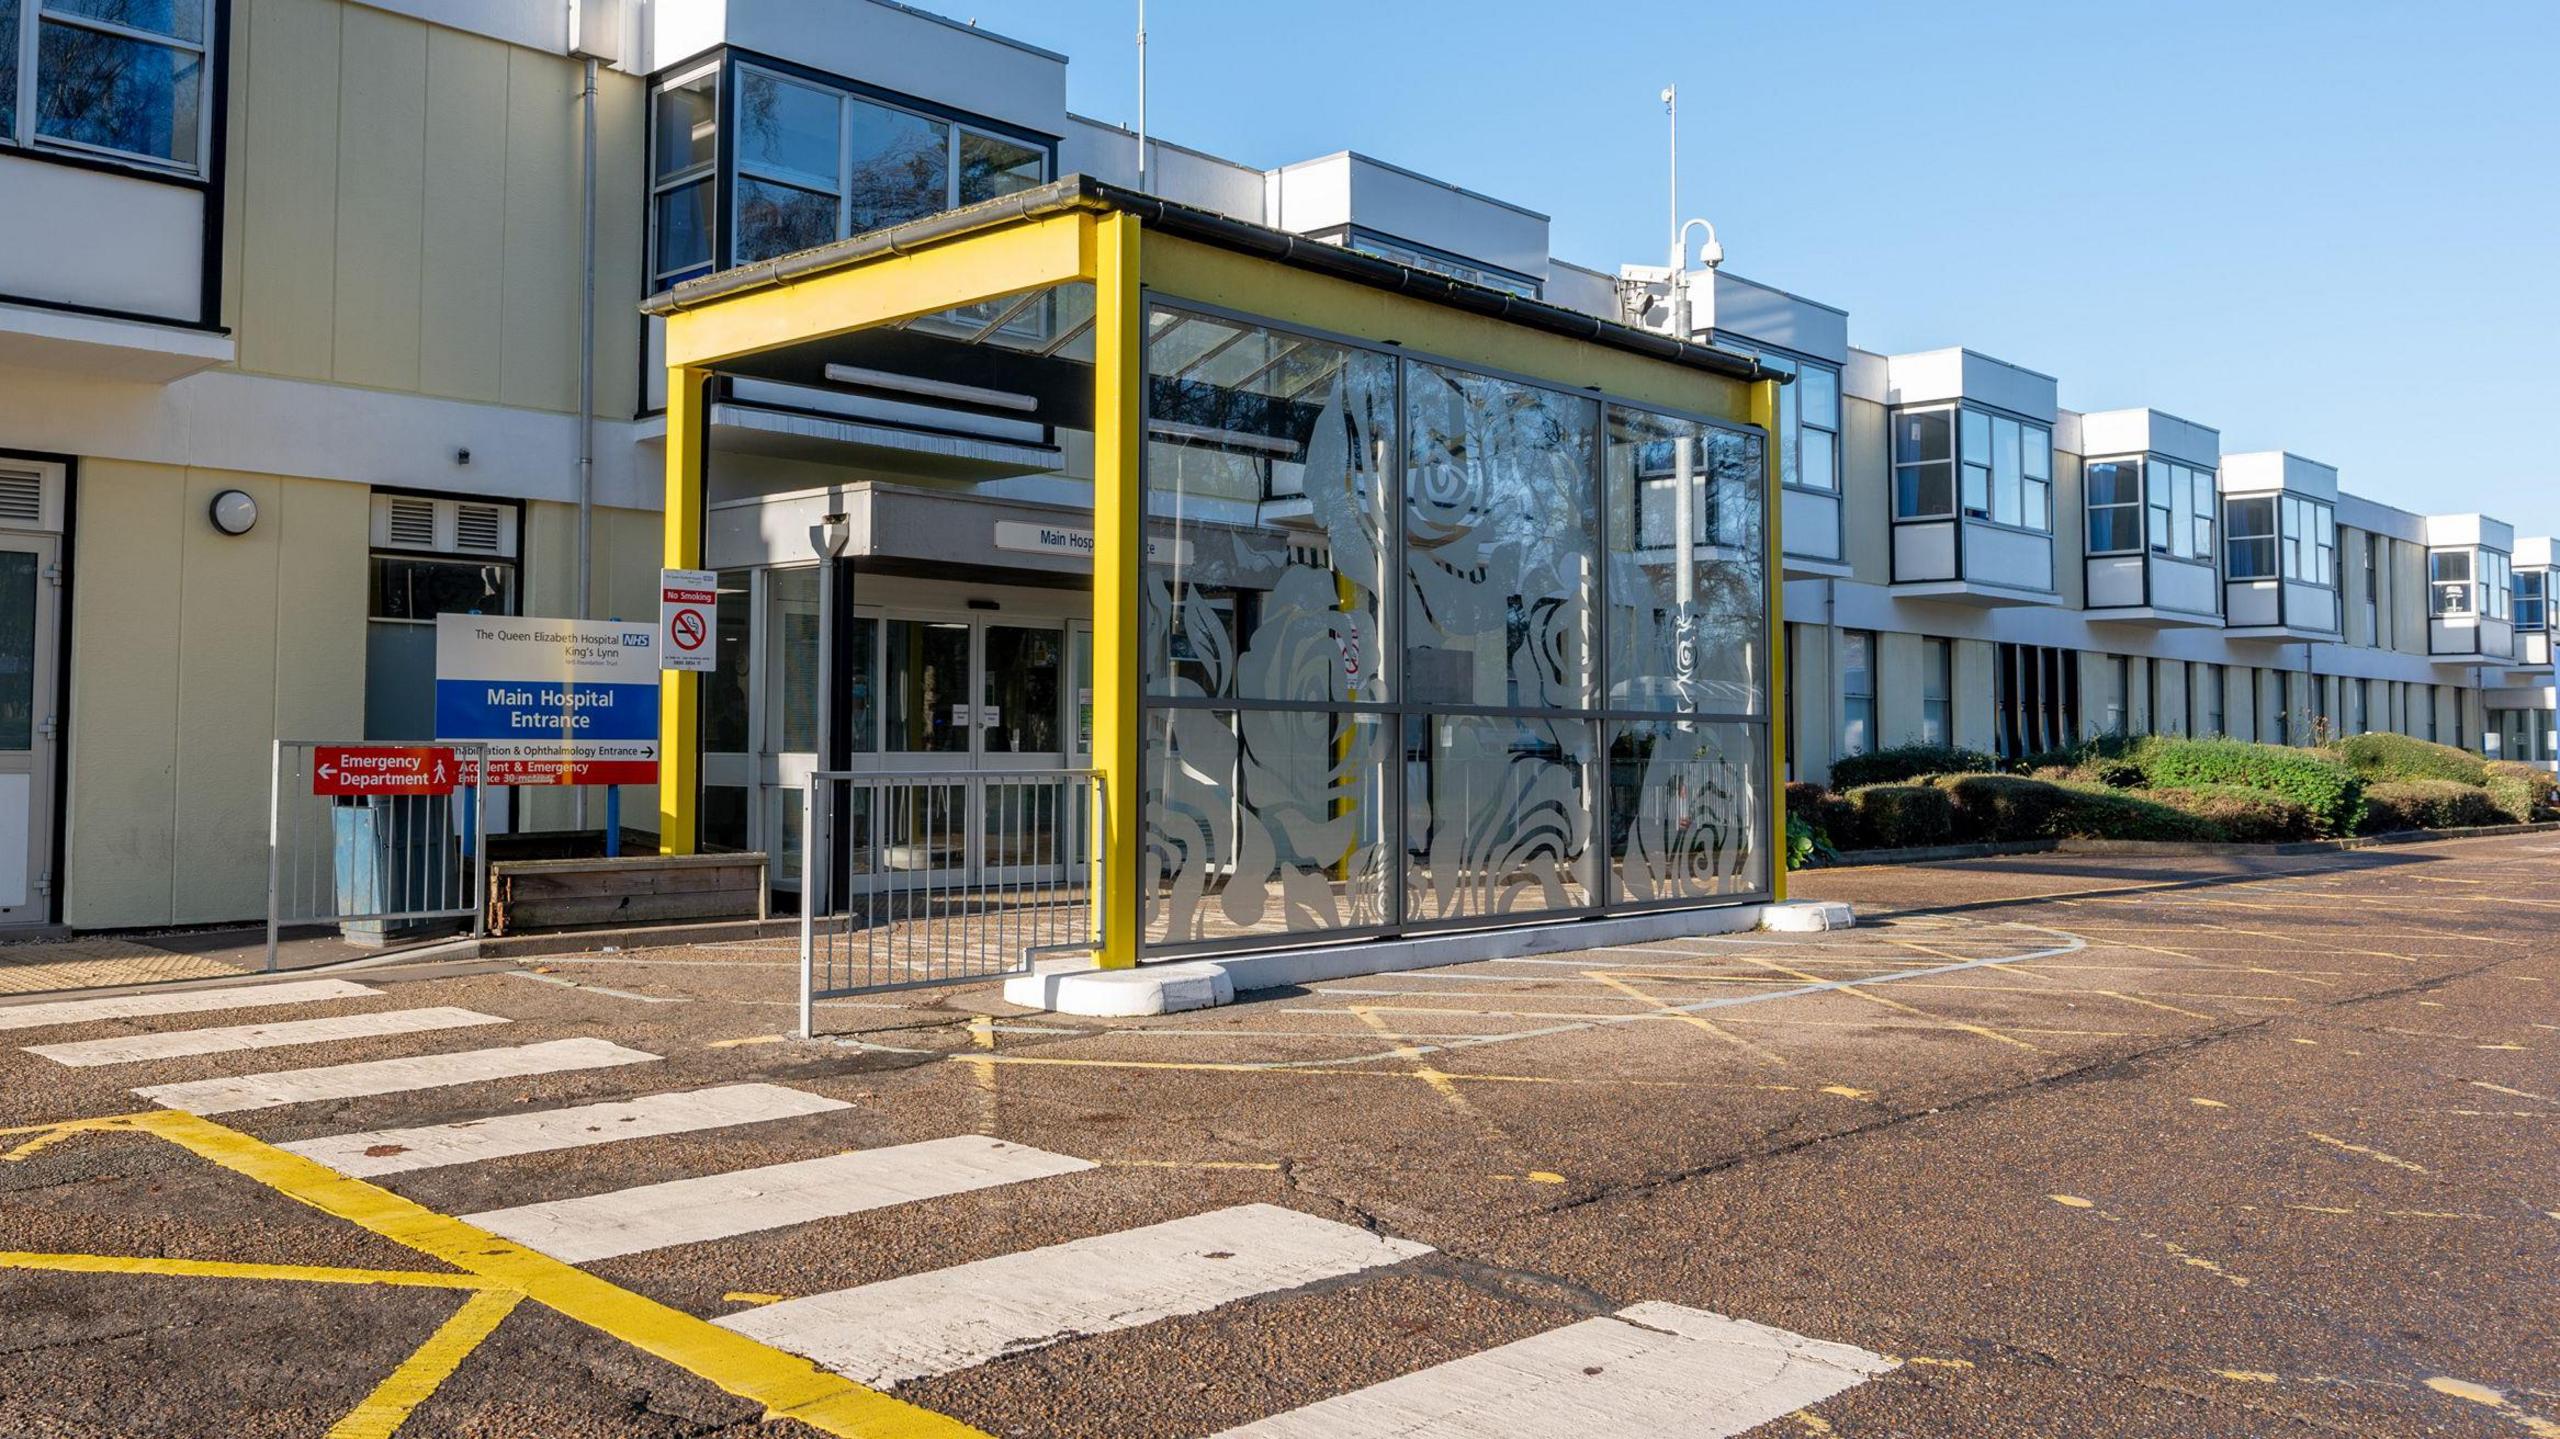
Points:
[(27, 726)]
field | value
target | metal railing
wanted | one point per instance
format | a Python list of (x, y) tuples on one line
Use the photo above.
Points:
[(918, 879), (374, 859)]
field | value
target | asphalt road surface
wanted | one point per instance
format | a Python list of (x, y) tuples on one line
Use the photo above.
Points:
[(2046, 1146)]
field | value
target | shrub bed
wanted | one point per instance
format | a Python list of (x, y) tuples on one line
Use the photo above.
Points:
[(2245, 816), (2400, 804), (2325, 788), (1904, 763), (1900, 816), (2522, 792), (2398, 756), (1997, 808)]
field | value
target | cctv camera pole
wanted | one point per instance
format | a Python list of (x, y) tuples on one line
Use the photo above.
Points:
[(1679, 261)]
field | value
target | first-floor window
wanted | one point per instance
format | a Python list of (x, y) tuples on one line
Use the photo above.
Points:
[(1857, 691), (2249, 530), (2533, 598), (1937, 687), (120, 78), (2449, 582)]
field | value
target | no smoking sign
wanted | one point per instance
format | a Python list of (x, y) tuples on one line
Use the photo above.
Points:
[(687, 602)]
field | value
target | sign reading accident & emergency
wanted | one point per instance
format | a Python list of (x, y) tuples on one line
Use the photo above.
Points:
[(556, 701)]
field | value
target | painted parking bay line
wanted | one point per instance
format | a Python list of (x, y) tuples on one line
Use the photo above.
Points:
[(179, 1043), (432, 1146), (1651, 1369), (952, 1319), (390, 1076), (194, 1001), (748, 1201)]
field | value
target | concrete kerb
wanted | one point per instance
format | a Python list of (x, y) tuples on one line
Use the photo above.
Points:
[(1170, 988)]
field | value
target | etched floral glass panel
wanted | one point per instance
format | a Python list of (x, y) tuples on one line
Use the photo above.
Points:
[(1501, 542), (1497, 815), (1686, 801), (1264, 821), (1685, 615), (1268, 457)]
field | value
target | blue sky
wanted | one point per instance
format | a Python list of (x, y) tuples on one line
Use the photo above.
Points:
[(2332, 228)]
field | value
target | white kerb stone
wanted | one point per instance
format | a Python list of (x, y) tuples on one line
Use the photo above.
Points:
[(1808, 916), (1124, 993)]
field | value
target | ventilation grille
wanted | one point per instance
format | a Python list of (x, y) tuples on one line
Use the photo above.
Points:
[(412, 524), (479, 530), (21, 498)]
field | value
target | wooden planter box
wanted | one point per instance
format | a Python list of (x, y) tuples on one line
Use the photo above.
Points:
[(635, 889)]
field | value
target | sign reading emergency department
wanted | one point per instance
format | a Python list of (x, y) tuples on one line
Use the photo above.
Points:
[(687, 600), (372, 769), (556, 701)]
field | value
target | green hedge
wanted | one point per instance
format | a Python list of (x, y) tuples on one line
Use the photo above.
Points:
[(2399, 804), (1998, 808), (2245, 816), (2102, 812), (1900, 816), (2524, 792), (2325, 788), (2398, 756), (1904, 763)]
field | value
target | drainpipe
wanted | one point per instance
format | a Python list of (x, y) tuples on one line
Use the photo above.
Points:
[(586, 367)]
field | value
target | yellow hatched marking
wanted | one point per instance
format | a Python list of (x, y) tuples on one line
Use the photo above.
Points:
[(2395, 1161), (1757, 1051), (388, 1406), (1873, 998)]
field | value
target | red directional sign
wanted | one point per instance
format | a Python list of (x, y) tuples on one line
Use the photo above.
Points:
[(349, 769), (542, 770)]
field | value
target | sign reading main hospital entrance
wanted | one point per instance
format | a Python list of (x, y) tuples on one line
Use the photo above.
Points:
[(374, 769), (556, 701)]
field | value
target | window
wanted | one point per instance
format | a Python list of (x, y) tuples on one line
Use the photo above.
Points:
[(684, 132), (1857, 691), (2309, 542), (2370, 556), (2533, 598), (1817, 428), (2035, 699), (2429, 704), (118, 78), (2497, 583), (1924, 465), (2449, 582), (1437, 262), (2116, 705), (429, 557), (2251, 544), (816, 163), (2204, 684), (2115, 506), (1937, 686)]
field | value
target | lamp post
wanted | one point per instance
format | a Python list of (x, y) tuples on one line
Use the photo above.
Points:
[(829, 538)]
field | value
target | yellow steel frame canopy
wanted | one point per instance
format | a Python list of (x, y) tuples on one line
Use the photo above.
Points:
[(1079, 231)]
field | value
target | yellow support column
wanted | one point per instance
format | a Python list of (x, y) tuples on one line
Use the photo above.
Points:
[(1764, 413), (679, 691), (1119, 555)]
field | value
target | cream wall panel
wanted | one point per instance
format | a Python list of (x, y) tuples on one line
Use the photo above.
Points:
[(226, 701), (382, 158), (1866, 490), (2408, 598), (1817, 725), (124, 694), (463, 231), (2239, 703), (2137, 698), (1897, 689), (288, 227), (1975, 722), (621, 240), (2169, 711), (2070, 530), (538, 352)]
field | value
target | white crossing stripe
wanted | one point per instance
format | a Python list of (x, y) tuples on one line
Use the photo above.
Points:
[(389, 1076), (194, 1001), (397, 1151), (952, 1319), (1659, 1370), (721, 1206), (177, 1043)]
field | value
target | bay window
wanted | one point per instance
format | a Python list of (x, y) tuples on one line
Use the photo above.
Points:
[(2250, 527), (2002, 468), (2533, 598), (684, 129), (2310, 541), (2139, 501), (2468, 582), (2449, 582), (118, 79)]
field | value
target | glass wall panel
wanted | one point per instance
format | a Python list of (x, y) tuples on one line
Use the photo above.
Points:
[(925, 686), (899, 166), (1268, 462), (1497, 816), (1501, 542), (1685, 805), (1685, 620), (1264, 822)]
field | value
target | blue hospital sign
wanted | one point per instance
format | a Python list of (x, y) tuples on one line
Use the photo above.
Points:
[(556, 701)]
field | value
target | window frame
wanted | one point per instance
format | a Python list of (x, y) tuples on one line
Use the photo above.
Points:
[(1937, 690), (2233, 536), (2540, 599), (2027, 486), (25, 136), (2453, 596), (1858, 706), (709, 170)]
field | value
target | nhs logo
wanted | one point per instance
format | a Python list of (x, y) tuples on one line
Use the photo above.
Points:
[(637, 639)]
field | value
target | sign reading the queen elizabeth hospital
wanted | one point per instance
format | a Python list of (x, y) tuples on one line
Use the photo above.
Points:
[(556, 701)]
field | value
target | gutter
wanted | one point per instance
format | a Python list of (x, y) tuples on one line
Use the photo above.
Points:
[(1082, 194)]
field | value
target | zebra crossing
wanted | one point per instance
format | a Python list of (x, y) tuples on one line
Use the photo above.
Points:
[(1649, 1369)]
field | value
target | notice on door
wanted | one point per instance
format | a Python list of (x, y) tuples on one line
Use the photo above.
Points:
[(343, 770), (688, 602)]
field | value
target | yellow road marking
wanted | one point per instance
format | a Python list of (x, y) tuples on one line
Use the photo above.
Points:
[(752, 1296), (388, 1406), (2515, 1093), (2395, 1161), (2154, 1004), (787, 1386), (1873, 998), (1210, 1067), (749, 1039), (222, 1269), (2245, 1376), (2207, 1103), (1190, 1164), (1760, 1052)]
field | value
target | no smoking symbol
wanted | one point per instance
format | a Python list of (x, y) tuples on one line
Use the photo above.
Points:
[(688, 630)]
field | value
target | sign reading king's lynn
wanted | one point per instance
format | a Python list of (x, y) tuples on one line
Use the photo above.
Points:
[(556, 701)]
